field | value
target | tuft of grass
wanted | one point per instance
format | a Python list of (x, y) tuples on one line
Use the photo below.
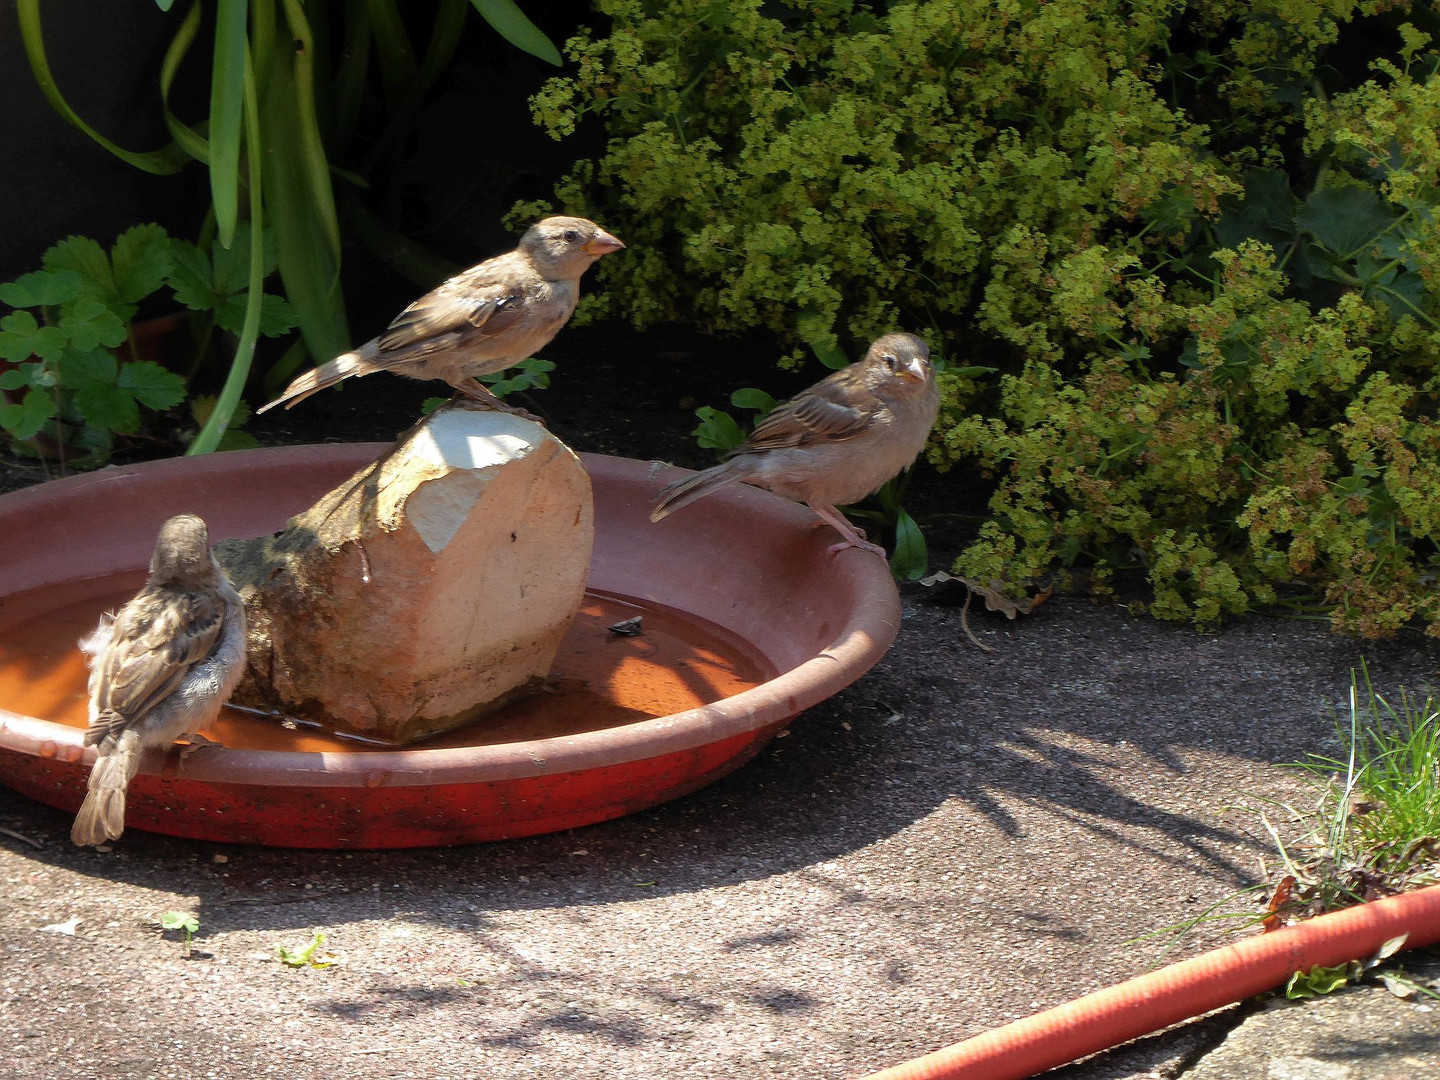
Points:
[(1372, 831), (1375, 827)]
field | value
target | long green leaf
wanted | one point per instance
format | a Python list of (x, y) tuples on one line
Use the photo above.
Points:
[(262, 38), (307, 127), (300, 210), (418, 265), (227, 101), (515, 27), (214, 428), (186, 137), (392, 46), (162, 162), (349, 88), (326, 48), (444, 41)]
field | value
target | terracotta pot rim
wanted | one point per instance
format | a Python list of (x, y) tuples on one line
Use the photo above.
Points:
[(872, 624)]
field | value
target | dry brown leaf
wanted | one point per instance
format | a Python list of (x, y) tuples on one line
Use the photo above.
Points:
[(1283, 892), (995, 599)]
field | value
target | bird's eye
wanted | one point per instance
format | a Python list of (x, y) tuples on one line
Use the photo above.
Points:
[(570, 236), (891, 361)]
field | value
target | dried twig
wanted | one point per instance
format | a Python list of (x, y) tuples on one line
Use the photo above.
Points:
[(995, 600), (36, 844), (965, 625)]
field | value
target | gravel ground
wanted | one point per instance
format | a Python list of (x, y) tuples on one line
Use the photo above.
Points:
[(958, 840)]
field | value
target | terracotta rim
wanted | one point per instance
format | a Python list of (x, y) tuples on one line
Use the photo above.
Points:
[(864, 582)]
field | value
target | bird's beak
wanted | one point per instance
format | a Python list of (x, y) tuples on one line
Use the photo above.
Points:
[(602, 243), (914, 369)]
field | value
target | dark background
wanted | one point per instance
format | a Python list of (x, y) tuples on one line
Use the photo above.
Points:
[(472, 154)]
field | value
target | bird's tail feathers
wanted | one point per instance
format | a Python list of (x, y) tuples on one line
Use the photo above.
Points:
[(102, 816), (684, 492), (343, 366)]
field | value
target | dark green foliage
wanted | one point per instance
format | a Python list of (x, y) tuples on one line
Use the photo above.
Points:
[(1197, 240), (75, 377), (287, 84)]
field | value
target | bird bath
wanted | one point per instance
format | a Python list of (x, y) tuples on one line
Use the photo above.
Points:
[(746, 622)]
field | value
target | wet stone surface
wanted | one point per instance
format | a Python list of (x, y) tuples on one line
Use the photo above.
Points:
[(426, 590)]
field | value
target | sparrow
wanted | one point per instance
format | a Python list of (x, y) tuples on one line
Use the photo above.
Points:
[(480, 321), (836, 442), (160, 668)]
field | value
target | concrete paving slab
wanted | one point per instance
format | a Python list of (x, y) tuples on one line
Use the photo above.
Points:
[(1359, 1033)]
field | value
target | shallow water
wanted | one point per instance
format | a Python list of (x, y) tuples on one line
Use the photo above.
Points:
[(599, 679)]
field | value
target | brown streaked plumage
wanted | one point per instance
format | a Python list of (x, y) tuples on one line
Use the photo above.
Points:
[(836, 442), (480, 321), (160, 668)]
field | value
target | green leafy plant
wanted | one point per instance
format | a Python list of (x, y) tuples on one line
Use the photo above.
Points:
[(1200, 250), (286, 94), (531, 374), (218, 283), (1321, 980), (77, 378), (308, 955), (717, 429), (235, 436), (184, 921), (910, 560), (65, 336)]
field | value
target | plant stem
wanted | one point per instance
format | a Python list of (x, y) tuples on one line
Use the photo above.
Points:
[(214, 428)]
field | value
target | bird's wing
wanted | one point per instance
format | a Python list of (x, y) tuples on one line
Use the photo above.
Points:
[(157, 638), (487, 299), (837, 408)]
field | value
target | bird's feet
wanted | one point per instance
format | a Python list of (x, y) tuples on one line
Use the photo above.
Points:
[(853, 534), (193, 741), (863, 545), (474, 395), (855, 531)]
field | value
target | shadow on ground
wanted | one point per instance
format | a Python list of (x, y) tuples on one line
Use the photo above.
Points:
[(1058, 724)]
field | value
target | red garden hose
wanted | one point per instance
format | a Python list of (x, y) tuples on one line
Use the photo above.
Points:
[(1119, 1013)]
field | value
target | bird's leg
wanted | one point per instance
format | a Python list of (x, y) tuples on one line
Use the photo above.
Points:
[(853, 536), (194, 740), (475, 391), (475, 394), (857, 529)]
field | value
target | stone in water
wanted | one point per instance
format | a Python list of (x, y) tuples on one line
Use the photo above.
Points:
[(427, 590)]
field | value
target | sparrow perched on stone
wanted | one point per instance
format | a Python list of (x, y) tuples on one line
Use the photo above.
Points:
[(480, 321), (160, 668), (836, 442)]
